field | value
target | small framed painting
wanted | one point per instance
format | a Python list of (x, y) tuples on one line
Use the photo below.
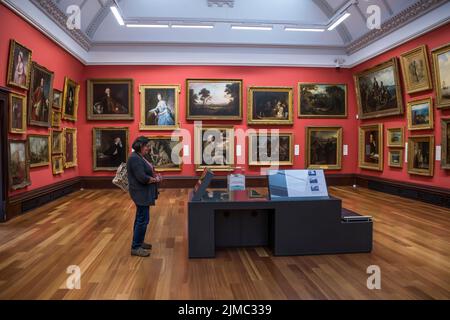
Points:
[(39, 150), (70, 147), (19, 65), (110, 148), (416, 70), (57, 164), (57, 99), (395, 158), (421, 155), (19, 164), (270, 105), (56, 118), (370, 153), (57, 141), (395, 137), (270, 149), (324, 148), (441, 58), (70, 100), (165, 153), (159, 107), (17, 113), (420, 114), (445, 148)]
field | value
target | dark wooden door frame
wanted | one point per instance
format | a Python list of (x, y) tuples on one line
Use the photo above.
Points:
[(4, 94)]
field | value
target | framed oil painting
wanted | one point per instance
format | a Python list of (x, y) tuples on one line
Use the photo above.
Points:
[(19, 65), (159, 107), (70, 100), (211, 99), (165, 153), (370, 153), (420, 114), (110, 99), (445, 148), (270, 105), (40, 100), (395, 158), (19, 164), (56, 118), (441, 63), (57, 99), (110, 148), (17, 113), (70, 147), (322, 100), (57, 141), (395, 137), (324, 148), (421, 155), (57, 164), (269, 149), (378, 91), (214, 148), (39, 150), (416, 70)]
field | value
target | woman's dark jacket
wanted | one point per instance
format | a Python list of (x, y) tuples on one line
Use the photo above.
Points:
[(139, 173)]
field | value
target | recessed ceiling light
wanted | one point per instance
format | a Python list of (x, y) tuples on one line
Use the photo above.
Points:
[(116, 14), (339, 21), (303, 29), (188, 26), (237, 27), (147, 25)]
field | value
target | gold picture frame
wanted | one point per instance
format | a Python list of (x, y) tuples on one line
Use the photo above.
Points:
[(420, 114), (71, 97), (57, 164), (14, 165), (57, 99), (395, 158), (305, 89), (33, 156), (445, 148), (14, 121), (100, 163), (252, 143), (376, 94), (173, 141), (150, 93), (370, 148), (416, 70), (395, 137), (199, 140), (336, 133), (70, 155), (39, 112), (442, 100), (56, 118), (417, 154), (57, 141), (266, 104), (193, 84), (13, 78)]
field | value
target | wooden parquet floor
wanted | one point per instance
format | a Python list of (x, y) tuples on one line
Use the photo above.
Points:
[(92, 229)]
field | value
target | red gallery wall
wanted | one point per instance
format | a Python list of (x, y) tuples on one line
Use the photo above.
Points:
[(48, 54), (441, 178)]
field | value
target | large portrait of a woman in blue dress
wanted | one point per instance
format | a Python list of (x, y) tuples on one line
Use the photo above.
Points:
[(159, 107)]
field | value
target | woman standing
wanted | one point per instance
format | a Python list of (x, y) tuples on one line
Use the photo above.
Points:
[(143, 188)]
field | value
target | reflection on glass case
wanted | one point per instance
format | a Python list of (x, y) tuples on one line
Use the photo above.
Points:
[(297, 184)]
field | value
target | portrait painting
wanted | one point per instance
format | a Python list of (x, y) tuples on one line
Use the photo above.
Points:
[(421, 155), (214, 148), (110, 99), (70, 147), (57, 164), (213, 99), (270, 105), (19, 170), (110, 148), (395, 158), (57, 141), (17, 113), (441, 63), (317, 100), (39, 150), (270, 149), (416, 70), (445, 148), (19, 65), (56, 118), (57, 99), (371, 147), (40, 100), (70, 99), (420, 114), (324, 148), (378, 91), (165, 153), (159, 107), (395, 137)]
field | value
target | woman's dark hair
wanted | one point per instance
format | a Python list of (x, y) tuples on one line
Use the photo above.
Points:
[(139, 142)]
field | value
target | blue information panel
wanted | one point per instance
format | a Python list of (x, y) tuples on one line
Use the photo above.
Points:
[(297, 184)]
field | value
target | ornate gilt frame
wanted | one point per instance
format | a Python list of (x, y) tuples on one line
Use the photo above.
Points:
[(12, 45), (338, 165), (390, 163), (70, 82), (27, 181), (361, 136), (49, 156), (59, 132), (421, 50), (389, 135), (300, 84), (94, 151), (253, 162), (437, 76), (54, 159), (445, 146), (168, 137), (24, 113), (411, 141), (269, 121), (420, 126), (50, 96), (74, 150)]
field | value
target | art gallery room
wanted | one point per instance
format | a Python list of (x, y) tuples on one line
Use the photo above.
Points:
[(214, 150)]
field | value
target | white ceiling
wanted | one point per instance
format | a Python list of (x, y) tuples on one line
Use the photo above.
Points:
[(102, 40)]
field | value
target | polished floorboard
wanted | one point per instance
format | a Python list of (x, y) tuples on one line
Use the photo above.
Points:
[(92, 229)]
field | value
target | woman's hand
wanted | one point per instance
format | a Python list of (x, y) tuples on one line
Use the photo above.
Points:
[(152, 180)]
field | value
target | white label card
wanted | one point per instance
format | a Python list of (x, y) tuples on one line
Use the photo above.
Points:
[(186, 151), (238, 150), (345, 151), (406, 152), (297, 150), (438, 153)]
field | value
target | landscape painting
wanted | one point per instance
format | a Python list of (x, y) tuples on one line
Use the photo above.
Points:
[(441, 63), (322, 100), (420, 114), (395, 137), (270, 105), (396, 158), (39, 150), (19, 173)]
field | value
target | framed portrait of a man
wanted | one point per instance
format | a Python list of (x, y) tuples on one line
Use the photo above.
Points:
[(324, 148), (39, 150), (445, 148), (40, 100), (270, 105), (70, 99), (17, 113), (19, 164), (165, 153), (322, 100), (416, 70), (441, 63), (265, 149), (421, 155), (70, 147), (19, 65), (110, 99), (57, 141), (159, 107), (110, 148), (214, 148), (370, 153)]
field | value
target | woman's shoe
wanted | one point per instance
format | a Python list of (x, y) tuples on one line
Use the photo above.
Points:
[(146, 246), (140, 252)]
